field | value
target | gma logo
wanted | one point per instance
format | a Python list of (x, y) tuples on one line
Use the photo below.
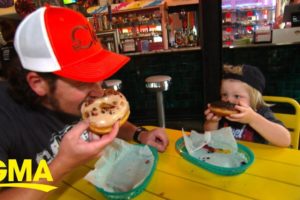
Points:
[(19, 176)]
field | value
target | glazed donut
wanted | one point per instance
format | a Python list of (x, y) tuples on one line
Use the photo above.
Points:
[(222, 108), (104, 108)]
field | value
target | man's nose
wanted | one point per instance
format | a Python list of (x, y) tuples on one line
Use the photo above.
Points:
[(96, 91)]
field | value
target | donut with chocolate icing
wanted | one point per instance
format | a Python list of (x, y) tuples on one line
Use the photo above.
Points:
[(104, 109), (222, 108)]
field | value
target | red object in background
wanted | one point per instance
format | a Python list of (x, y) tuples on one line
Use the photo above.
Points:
[(228, 29), (143, 29), (228, 42), (249, 13), (191, 17), (96, 23), (184, 24), (85, 3), (170, 20), (249, 28), (24, 7), (228, 15), (155, 46)]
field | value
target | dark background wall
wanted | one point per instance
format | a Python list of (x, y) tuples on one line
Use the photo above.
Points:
[(184, 100)]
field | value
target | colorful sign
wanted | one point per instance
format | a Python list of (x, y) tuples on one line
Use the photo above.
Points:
[(125, 6)]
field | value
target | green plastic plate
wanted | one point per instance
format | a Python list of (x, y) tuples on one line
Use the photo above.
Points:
[(180, 147), (139, 189)]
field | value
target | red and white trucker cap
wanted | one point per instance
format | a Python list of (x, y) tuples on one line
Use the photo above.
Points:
[(60, 40)]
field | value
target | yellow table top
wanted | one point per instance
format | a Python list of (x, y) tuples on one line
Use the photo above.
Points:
[(275, 174)]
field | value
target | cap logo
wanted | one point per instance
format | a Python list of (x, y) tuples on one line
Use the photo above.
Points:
[(78, 42)]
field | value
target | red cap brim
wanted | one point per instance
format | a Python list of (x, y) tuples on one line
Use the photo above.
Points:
[(96, 68)]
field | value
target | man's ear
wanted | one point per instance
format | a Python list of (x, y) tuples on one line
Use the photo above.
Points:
[(37, 83)]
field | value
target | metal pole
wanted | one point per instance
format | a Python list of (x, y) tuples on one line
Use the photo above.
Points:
[(160, 109)]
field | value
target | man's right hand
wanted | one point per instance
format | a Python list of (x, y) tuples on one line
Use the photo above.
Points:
[(74, 151)]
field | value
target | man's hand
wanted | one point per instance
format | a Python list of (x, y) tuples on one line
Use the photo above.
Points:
[(74, 151), (156, 138)]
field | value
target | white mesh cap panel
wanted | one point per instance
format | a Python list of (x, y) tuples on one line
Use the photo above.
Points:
[(33, 46)]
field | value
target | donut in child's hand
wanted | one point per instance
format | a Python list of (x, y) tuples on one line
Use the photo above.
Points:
[(222, 108), (104, 108)]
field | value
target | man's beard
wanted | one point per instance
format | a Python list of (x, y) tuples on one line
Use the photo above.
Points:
[(52, 101), (54, 104), (67, 118)]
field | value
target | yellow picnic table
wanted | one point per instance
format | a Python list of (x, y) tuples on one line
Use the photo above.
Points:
[(274, 174)]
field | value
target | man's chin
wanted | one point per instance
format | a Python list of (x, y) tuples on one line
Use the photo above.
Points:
[(68, 118)]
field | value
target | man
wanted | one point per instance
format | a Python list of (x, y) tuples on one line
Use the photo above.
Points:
[(62, 62)]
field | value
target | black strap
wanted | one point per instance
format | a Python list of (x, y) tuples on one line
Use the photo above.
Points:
[(137, 134)]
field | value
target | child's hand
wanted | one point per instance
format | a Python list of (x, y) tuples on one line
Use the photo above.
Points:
[(211, 116), (245, 116)]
